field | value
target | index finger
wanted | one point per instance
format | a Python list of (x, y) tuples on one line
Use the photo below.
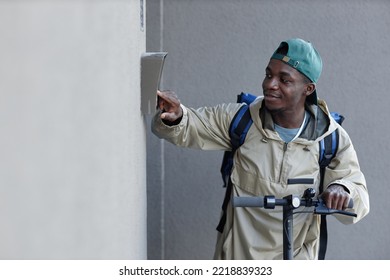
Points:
[(168, 95), (168, 99)]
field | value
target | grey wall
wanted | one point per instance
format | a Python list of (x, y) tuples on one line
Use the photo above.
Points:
[(73, 141), (216, 49)]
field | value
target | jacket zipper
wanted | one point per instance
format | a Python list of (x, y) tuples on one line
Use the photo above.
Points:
[(281, 167)]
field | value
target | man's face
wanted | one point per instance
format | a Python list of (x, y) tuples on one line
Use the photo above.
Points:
[(284, 88)]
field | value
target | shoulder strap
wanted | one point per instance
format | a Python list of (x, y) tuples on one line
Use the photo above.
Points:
[(247, 98), (238, 129), (328, 150), (240, 126), (242, 121)]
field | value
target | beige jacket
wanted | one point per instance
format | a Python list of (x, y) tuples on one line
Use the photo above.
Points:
[(262, 166)]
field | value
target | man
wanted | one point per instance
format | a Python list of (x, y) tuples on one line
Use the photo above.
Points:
[(288, 122)]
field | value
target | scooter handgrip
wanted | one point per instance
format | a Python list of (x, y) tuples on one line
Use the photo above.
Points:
[(248, 201)]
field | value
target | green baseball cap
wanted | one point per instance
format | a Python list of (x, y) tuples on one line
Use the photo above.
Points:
[(302, 56)]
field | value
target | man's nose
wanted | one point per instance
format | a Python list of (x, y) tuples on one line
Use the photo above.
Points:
[(271, 83)]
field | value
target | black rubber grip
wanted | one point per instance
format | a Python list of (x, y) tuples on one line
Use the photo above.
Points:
[(248, 201)]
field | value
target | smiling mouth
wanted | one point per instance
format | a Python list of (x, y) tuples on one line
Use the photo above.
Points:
[(271, 96)]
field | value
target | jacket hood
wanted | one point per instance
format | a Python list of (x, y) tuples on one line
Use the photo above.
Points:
[(320, 124)]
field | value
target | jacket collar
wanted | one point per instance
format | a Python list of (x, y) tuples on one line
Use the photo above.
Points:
[(320, 122)]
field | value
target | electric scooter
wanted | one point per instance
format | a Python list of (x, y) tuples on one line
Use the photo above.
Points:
[(289, 204)]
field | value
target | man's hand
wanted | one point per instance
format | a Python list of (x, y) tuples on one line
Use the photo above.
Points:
[(169, 104), (336, 197)]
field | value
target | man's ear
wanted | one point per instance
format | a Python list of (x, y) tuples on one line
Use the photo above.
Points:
[(310, 88)]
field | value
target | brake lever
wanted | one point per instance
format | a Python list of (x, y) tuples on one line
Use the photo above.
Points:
[(322, 209)]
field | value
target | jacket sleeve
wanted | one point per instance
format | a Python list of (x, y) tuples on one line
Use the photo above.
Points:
[(345, 170), (205, 128)]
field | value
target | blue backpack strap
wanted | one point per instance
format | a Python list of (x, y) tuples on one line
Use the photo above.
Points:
[(246, 98), (328, 150), (337, 117), (238, 129), (328, 147)]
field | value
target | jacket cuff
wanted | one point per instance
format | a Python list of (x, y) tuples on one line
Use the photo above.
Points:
[(346, 185)]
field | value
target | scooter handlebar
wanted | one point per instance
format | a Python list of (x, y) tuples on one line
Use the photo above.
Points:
[(248, 201), (322, 202), (259, 201)]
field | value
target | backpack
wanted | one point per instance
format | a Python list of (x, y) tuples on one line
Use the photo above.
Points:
[(238, 129)]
